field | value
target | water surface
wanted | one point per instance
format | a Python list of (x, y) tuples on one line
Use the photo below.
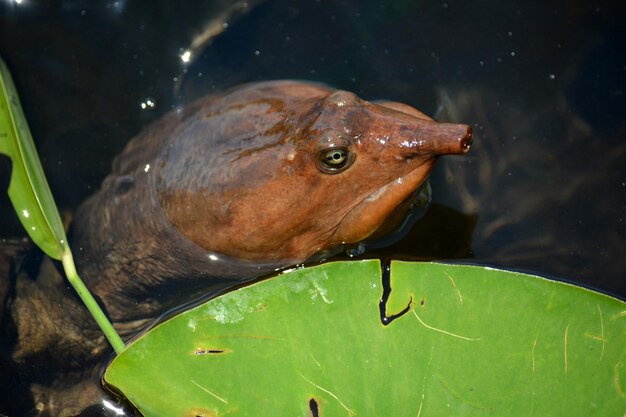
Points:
[(542, 83)]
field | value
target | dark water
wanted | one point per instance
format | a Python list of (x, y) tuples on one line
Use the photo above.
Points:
[(542, 83)]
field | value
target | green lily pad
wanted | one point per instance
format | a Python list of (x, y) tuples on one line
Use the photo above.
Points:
[(476, 341)]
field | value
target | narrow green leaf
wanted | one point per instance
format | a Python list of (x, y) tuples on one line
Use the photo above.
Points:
[(32, 199), (476, 341), (28, 189)]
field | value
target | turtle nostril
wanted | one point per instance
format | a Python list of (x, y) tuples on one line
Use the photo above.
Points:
[(467, 140)]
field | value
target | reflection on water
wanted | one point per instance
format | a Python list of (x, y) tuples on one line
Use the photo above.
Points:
[(542, 83)]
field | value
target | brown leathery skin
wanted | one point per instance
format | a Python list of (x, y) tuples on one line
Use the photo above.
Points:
[(229, 189)]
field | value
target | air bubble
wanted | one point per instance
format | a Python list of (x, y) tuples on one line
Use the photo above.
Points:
[(185, 56), (148, 104)]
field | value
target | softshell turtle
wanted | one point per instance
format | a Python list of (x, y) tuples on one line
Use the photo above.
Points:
[(232, 187)]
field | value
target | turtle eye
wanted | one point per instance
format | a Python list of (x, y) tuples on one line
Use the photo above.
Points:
[(334, 160)]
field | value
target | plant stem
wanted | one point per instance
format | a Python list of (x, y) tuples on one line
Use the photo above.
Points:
[(105, 325)]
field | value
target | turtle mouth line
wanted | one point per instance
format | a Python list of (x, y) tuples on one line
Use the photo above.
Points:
[(402, 184), (376, 209), (400, 221)]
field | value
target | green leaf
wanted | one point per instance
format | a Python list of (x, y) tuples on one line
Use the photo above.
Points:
[(32, 199), (476, 341), (28, 189)]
